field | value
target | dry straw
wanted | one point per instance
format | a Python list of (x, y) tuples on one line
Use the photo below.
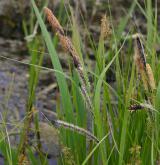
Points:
[(22, 158)]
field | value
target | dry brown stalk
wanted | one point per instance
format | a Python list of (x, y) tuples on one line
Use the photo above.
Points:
[(143, 68), (24, 142), (68, 46), (23, 160), (139, 55), (140, 61)]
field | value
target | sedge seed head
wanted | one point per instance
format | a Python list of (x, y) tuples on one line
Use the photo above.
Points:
[(105, 27), (53, 21), (150, 77)]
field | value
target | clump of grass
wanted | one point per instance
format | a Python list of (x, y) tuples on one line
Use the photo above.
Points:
[(123, 137)]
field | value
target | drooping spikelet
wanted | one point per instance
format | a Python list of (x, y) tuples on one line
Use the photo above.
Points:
[(60, 123), (68, 46)]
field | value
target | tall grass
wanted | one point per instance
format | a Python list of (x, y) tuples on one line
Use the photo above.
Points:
[(126, 135)]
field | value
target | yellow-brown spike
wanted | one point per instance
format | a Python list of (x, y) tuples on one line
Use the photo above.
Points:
[(53, 21), (105, 27), (151, 81)]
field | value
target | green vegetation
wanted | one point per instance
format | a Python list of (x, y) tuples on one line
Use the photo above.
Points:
[(126, 134)]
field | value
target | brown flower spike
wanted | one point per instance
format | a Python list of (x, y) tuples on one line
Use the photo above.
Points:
[(144, 69), (105, 27), (53, 21), (68, 46)]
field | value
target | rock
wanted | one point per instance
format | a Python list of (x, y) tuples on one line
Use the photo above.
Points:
[(50, 140), (11, 14)]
